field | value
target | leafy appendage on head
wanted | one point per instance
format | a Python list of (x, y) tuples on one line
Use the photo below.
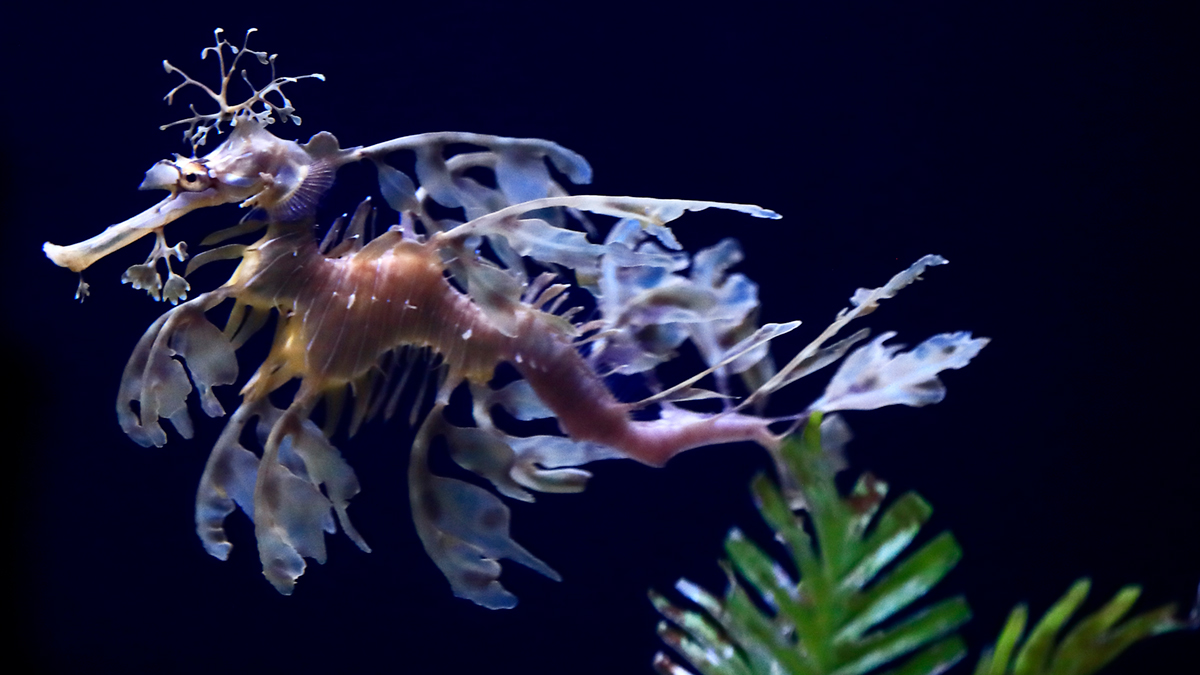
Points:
[(257, 107), (145, 276)]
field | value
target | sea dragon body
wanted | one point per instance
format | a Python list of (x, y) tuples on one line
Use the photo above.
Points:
[(356, 312)]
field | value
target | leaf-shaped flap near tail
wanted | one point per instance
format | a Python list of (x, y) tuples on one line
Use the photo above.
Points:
[(546, 463), (875, 376), (863, 302)]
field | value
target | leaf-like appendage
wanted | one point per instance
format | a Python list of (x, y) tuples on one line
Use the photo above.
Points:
[(1094, 641), (157, 381), (827, 623), (875, 376), (227, 483), (465, 528)]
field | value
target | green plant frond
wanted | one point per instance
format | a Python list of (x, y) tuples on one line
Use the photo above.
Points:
[(935, 659), (828, 622), (1093, 642)]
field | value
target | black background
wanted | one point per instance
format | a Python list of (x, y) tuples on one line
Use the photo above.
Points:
[(1047, 149)]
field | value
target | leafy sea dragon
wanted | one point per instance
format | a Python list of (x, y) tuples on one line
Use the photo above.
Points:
[(486, 285)]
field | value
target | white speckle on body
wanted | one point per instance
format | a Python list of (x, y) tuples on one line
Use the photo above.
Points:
[(351, 303), (467, 334)]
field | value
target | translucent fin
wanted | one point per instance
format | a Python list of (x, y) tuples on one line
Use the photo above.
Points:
[(522, 175), (465, 529), (397, 188), (760, 337), (366, 393), (485, 453), (352, 241), (495, 291), (326, 467), (465, 533), (863, 302), (737, 297), (542, 241), (291, 515), (411, 358), (307, 193), (875, 375), (518, 399), (518, 164), (228, 480), (332, 235), (159, 383), (209, 356), (545, 463), (227, 252), (825, 356)]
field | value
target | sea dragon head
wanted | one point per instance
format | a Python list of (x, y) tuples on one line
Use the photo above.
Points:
[(252, 167)]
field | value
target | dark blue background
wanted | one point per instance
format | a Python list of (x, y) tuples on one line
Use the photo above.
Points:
[(1047, 149)]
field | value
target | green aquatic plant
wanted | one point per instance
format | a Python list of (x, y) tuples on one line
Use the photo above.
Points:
[(852, 611), (827, 622), (1093, 642)]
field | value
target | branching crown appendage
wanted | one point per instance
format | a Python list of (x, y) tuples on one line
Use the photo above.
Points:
[(199, 124)]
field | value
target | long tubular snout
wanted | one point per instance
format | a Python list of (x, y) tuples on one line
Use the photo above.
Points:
[(78, 257)]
